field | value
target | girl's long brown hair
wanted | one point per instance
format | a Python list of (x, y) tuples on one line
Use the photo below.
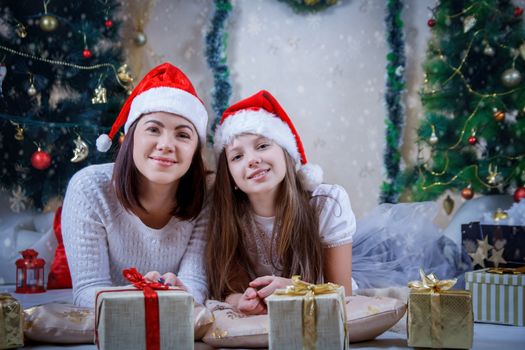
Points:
[(296, 231)]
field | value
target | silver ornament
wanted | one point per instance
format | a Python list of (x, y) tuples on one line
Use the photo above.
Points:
[(48, 23), (31, 91), (468, 23), (488, 50), (511, 77), (140, 39), (433, 139), (81, 150)]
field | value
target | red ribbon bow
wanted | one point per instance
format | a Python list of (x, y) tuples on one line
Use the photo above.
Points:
[(151, 305)]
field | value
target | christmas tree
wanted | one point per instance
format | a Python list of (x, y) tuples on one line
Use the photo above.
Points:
[(62, 83), (471, 137)]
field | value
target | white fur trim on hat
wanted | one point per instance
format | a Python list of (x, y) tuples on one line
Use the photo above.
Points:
[(171, 100), (103, 143), (310, 175), (260, 122)]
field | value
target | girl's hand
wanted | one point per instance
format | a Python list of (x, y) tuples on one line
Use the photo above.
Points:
[(268, 284), (169, 279), (250, 303)]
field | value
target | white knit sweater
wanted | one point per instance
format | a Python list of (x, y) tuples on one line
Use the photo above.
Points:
[(101, 239)]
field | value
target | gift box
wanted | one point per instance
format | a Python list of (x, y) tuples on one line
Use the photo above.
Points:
[(144, 317), (306, 316), (439, 317), (497, 297), (494, 245), (11, 322)]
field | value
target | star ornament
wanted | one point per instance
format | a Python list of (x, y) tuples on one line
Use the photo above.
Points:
[(484, 246), (497, 257), (478, 258)]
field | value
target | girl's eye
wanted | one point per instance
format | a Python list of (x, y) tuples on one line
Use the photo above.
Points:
[(236, 157), (263, 146), (184, 135)]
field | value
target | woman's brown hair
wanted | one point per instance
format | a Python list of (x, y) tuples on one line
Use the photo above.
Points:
[(190, 192), (296, 231)]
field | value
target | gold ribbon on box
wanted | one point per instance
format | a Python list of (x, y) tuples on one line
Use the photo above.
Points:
[(507, 270), (11, 334), (309, 291), (435, 287)]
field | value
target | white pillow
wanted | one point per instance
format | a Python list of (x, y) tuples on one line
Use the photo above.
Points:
[(367, 318)]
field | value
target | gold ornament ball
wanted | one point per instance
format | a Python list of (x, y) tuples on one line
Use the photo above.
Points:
[(140, 39), (499, 116), (48, 23), (511, 77)]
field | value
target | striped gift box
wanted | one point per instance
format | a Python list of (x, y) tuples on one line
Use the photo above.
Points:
[(497, 298)]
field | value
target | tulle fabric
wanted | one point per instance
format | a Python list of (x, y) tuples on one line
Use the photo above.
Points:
[(394, 240)]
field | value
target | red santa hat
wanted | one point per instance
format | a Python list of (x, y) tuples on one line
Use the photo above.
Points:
[(261, 114), (164, 89)]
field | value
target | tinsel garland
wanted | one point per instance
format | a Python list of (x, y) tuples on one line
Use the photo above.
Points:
[(395, 87), (310, 5), (216, 44)]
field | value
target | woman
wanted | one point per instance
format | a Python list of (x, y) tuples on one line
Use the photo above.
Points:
[(267, 220), (144, 210)]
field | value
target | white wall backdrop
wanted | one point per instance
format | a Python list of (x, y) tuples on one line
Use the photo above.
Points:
[(327, 70)]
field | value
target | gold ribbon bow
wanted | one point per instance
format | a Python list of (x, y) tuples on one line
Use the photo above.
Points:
[(431, 283), (309, 291)]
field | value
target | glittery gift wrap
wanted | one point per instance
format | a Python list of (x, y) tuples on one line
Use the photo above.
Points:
[(11, 322), (440, 320), (497, 298), (290, 327), (121, 319)]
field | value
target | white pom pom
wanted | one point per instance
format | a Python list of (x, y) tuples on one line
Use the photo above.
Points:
[(103, 143), (311, 176)]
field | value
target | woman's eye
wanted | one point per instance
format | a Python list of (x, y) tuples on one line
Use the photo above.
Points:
[(153, 129), (263, 146), (184, 135)]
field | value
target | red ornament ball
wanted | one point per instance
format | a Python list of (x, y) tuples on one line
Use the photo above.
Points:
[(40, 160), (108, 23), (431, 22), (472, 140), (86, 53), (467, 193), (518, 11), (519, 194)]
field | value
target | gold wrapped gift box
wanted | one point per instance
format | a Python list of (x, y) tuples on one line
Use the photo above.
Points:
[(11, 322), (437, 316), (307, 316)]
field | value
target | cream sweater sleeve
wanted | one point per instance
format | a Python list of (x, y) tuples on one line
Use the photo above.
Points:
[(85, 239)]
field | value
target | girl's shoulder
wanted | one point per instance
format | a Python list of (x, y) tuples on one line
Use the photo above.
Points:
[(330, 190)]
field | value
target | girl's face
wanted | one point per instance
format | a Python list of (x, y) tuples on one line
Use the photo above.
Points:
[(163, 147), (256, 163)]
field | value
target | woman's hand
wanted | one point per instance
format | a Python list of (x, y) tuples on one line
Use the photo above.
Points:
[(266, 285), (169, 279), (251, 304)]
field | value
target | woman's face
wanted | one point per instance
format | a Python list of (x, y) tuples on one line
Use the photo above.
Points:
[(163, 147), (256, 163)]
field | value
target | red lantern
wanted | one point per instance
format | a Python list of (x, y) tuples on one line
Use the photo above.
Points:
[(30, 273)]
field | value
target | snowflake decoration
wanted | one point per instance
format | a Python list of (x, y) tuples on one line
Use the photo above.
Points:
[(313, 21), (18, 200), (254, 25)]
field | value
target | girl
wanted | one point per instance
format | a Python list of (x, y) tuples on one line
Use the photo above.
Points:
[(144, 210), (267, 220)]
